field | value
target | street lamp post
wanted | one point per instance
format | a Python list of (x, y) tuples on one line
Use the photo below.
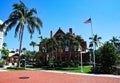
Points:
[(80, 51), (81, 62)]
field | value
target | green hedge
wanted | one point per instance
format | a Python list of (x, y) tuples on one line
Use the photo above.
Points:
[(16, 68)]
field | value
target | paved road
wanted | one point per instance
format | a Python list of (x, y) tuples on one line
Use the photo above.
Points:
[(53, 77)]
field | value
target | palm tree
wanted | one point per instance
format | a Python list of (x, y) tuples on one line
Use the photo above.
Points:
[(114, 40), (70, 43), (76, 44), (24, 55), (79, 38), (44, 43), (60, 39), (40, 37), (51, 49), (19, 17), (95, 40), (33, 44), (24, 49), (4, 45), (95, 43)]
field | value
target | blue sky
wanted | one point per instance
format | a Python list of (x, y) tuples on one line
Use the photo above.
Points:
[(105, 15)]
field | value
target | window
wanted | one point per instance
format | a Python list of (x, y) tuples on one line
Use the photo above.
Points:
[(66, 48)]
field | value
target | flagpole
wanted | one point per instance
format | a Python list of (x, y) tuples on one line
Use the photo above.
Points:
[(90, 21), (91, 28), (93, 45)]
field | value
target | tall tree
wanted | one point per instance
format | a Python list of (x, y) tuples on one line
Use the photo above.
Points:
[(60, 39), (44, 42), (4, 45), (79, 38), (70, 43), (51, 49), (19, 17), (95, 40), (23, 50), (114, 40), (33, 44)]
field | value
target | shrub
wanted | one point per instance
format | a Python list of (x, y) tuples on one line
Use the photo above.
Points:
[(2, 62), (106, 58)]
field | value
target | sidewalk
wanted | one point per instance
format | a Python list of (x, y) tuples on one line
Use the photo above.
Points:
[(85, 74), (2, 69), (38, 76)]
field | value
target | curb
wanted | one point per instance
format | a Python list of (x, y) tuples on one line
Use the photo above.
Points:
[(98, 75)]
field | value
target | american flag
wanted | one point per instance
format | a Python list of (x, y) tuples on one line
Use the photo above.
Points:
[(87, 21)]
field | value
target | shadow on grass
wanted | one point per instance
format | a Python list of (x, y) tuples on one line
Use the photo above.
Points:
[(16, 68)]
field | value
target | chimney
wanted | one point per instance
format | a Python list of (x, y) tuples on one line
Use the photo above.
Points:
[(51, 34), (70, 30)]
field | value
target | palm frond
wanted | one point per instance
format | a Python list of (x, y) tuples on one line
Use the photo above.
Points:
[(39, 21), (16, 6), (31, 12), (38, 28), (17, 29), (91, 44), (9, 27), (30, 30)]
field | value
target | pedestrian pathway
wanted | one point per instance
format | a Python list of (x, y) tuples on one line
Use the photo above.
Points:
[(2, 69), (38, 76), (98, 75), (45, 76)]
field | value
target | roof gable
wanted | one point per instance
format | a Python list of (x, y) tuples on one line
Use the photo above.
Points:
[(59, 32)]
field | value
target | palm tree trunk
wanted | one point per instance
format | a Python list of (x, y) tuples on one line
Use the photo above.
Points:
[(33, 48), (21, 38)]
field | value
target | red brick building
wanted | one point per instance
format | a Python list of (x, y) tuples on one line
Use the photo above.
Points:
[(66, 52)]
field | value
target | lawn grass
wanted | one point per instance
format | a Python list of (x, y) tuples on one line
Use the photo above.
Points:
[(86, 69)]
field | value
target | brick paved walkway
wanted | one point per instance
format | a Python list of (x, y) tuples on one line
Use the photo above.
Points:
[(53, 77)]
